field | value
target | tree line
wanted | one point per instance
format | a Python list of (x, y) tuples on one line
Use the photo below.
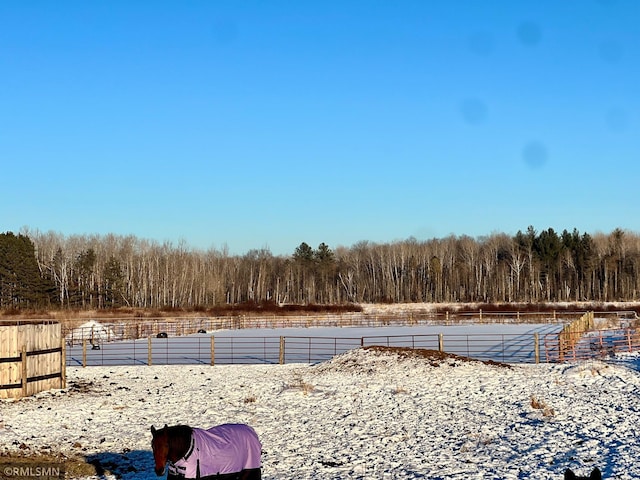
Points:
[(92, 272)]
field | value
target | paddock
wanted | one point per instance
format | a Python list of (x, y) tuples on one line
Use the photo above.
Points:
[(512, 343)]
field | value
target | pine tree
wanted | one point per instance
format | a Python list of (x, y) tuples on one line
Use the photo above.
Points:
[(21, 283)]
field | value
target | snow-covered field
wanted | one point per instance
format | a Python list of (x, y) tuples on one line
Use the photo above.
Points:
[(365, 414)]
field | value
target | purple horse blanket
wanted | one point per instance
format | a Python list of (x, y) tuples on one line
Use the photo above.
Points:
[(222, 449)]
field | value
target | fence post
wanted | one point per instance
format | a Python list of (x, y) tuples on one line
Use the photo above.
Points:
[(63, 364), (480, 315), (84, 352), (213, 351), (536, 346), (281, 359), (440, 342), (25, 370), (149, 351)]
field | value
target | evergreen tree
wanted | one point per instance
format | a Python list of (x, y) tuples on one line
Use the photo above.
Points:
[(303, 254), (324, 255), (21, 284), (113, 283)]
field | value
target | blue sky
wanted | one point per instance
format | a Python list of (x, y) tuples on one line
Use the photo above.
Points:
[(264, 124)]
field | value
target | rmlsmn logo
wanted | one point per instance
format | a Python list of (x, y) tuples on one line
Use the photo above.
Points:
[(30, 472)]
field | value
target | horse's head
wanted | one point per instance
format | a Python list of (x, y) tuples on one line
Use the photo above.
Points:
[(160, 447)]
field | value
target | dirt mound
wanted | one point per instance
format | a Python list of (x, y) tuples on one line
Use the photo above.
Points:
[(434, 357), (380, 359)]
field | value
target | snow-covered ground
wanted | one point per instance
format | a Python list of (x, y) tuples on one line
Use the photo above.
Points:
[(365, 414)]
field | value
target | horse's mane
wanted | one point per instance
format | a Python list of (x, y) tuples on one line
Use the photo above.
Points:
[(180, 430), (180, 439)]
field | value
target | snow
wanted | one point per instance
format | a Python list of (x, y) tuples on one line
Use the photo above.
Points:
[(92, 331), (365, 414)]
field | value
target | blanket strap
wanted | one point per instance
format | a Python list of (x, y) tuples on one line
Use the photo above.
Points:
[(191, 449)]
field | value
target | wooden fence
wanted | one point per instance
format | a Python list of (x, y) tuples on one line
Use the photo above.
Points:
[(32, 358), (572, 333)]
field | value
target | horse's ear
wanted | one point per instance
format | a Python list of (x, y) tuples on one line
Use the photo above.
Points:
[(153, 430), (595, 474), (569, 475)]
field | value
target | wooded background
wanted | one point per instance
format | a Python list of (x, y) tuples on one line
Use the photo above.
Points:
[(49, 269)]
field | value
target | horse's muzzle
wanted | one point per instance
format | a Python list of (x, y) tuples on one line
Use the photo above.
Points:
[(160, 471)]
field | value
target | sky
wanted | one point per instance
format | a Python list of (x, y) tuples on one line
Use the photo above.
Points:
[(244, 125)]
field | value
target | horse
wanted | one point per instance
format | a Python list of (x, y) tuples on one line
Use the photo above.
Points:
[(595, 475), (223, 452)]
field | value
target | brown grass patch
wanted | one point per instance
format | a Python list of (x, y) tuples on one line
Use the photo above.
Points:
[(541, 405), (74, 467)]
